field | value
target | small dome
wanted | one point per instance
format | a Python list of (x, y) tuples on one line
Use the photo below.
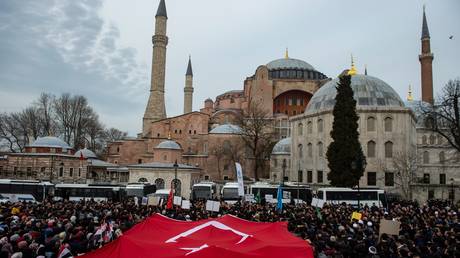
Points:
[(50, 141), (86, 153), (368, 92), (282, 147), (226, 129), (289, 63), (169, 144)]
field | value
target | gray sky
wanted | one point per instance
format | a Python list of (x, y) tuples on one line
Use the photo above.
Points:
[(102, 49)]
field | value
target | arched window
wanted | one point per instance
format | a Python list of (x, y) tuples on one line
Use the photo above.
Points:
[(388, 124), (61, 171), (432, 139), (388, 150), (309, 127), (371, 149), (160, 183), (142, 180), (370, 124), (442, 157), (320, 149), (440, 140), (426, 157), (300, 147), (310, 150), (424, 140), (300, 129), (320, 125), (176, 184)]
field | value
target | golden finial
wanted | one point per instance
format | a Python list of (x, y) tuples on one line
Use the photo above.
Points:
[(169, 135), (286, 54), (352, 70), (409, 94)]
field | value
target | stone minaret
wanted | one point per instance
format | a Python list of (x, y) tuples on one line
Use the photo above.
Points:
[(155, 109), (426, 60), (188, 89)]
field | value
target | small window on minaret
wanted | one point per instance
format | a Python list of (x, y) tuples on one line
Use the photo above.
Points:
[(158, 135), (194, 131)]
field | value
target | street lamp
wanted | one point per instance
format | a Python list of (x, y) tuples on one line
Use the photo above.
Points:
[(452, 190), (175, 176), (361, 165), (284, 171)]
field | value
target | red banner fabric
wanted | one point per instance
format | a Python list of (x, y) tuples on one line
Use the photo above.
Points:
[(225, 237)]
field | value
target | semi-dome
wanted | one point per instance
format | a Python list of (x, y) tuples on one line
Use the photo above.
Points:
[(50, 142), (283, 146), (226, 129), (86, 153), (289, 63), (169, 144), (368, 91)]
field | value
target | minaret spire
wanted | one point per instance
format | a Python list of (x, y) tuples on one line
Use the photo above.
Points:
[(365, 69), (352, 70), (426, 63), (286, 54), (155, 109), (409, 94), (188, 89)]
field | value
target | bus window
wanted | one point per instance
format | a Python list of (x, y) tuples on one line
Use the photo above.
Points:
[(320, 195)]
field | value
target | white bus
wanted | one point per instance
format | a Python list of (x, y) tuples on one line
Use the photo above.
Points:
[(229, 192), (35, 188), (139, 189), (335, 195), (78, 192), (204, 190)]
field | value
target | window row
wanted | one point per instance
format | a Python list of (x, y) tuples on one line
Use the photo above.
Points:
[(290, 101), (320, 126), (319, 176), (432, 139), (441, 158), (319, 146), (387, 124), (371, 149)]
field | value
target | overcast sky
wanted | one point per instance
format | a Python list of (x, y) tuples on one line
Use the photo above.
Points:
[(103, 50)]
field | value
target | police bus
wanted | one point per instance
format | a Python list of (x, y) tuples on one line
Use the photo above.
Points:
[(24, 190), (336, 195), (139, 189), (204, 190), (96, 192)]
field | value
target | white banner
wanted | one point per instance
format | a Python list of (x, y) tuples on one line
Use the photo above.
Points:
[(239, 176)]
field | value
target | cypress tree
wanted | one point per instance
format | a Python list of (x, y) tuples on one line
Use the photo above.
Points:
[(345, 149)]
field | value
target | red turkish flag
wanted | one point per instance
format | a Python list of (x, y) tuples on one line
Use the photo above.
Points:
[(81, 156), (169, 204), (225, 237)]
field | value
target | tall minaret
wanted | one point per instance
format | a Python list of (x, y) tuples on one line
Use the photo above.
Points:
[(155, 109), (188, 89), (426, 60)]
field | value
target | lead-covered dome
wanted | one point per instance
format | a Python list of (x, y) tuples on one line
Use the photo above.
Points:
[(368, 91), (289, 63), (283, 146), (226, 129), (50, 142), (169, 144), (85, 153), (291, 68)]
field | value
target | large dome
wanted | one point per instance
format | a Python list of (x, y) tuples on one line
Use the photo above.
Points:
[(226, 129), (368, 92), (169, 144), (50, 142), (289, 63), (282, 147)]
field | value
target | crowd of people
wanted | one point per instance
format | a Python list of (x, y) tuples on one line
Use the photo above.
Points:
[(65, 229)]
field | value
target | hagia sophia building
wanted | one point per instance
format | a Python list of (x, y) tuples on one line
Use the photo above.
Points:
[(300, 99), (204, 145)]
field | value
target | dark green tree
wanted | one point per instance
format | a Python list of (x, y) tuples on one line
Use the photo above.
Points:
[(344, 154)]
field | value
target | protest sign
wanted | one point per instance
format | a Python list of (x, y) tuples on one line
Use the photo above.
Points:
[(186, 204)]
